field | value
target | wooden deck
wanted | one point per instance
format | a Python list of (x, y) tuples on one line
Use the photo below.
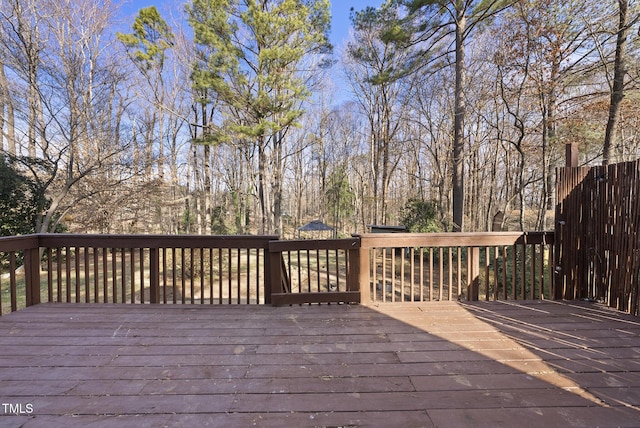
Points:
[(441, 364)]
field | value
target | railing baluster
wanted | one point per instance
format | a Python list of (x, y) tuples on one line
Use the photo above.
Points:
[(132, 275), (496, 272), (392, 277), (248, 288), (13, 290), (383, 274), (431, 285), (412, 275), (402, 282), (259, 257), (105, 278), (210, 276), (76, 270), (523, 268), (337, 256), (450, 260), (533, 271), (202, 293), (123, 275), (164, 275), (220, 275), (441, 273), (374, 272), (504, 272), (191, 276), (96, 282), (174, 279), (514, 273), (238, 275), (153, 273), (87, 279), (487, 263), (183, 290), (114, 281), (67, 263), (309, 271), (459, 271), (49, 278), (229, 273), (421, 255), (59, 274)]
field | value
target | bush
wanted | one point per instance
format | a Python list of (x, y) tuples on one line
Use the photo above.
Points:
[(420, 216), (19, 202)]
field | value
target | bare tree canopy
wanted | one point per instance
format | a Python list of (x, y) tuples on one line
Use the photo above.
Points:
[(238, 116)]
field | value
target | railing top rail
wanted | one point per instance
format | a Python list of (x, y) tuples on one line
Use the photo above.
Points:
[(314, 244), (272, 242), (18, 243), (154, 241), (453, 239)]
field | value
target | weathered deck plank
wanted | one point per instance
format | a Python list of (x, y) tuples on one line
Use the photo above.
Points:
[(530, 364)]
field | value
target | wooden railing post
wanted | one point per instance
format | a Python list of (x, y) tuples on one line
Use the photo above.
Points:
[(32, 276), (362, 274), (154, 275), (273, 277)]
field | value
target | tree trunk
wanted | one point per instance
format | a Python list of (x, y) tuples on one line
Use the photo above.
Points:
[(276, 184), (617, 91), (263, 194), (458, 131)]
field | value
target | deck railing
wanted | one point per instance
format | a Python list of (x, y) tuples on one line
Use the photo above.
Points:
[(136, 269), (452, 266), (143, 269)]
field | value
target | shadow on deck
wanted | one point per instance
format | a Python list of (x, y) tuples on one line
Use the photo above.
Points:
[(446, 364)]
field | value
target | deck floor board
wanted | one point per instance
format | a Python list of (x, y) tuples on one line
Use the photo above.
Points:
[(438, 364)]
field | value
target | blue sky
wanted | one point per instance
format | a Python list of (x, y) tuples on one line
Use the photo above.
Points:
[(340, 23)]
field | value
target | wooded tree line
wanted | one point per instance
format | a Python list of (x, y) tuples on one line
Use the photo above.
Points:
[(238, 116)]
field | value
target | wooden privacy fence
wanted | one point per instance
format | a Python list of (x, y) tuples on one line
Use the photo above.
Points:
[(597, 236)]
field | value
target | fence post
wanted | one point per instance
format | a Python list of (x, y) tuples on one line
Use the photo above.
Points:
[(473, 273), (32, 276), (571, 155)]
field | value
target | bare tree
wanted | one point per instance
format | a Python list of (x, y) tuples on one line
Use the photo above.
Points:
[(74, 105), (626, 19)]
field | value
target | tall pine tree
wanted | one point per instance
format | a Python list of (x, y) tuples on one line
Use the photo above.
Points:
[(254, 59)]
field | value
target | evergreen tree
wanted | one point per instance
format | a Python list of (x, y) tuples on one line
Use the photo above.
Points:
[(150, 39), (340, 197), (253, 59), (20, 202)]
